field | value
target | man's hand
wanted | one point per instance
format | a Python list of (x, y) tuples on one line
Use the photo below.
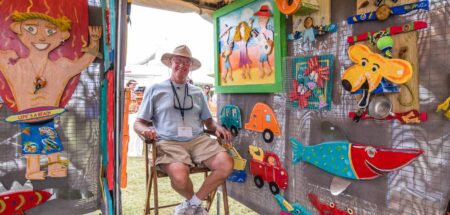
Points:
[(221, 132), (95, 32), (149, 133), (145, 129)]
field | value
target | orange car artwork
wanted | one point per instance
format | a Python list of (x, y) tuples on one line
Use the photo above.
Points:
[(262, 119), (371, 67)]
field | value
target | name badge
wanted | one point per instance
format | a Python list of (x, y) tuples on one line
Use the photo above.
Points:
[(184, 131)]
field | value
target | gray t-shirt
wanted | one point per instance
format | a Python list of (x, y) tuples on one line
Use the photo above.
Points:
[(158, 107)]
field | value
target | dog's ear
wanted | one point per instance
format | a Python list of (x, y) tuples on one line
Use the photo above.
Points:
[(358, 51), (398, 71)]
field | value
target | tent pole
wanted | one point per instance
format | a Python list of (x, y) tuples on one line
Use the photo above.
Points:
[(121, 6)]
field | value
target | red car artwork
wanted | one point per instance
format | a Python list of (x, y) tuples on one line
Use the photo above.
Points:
[(266, 166)]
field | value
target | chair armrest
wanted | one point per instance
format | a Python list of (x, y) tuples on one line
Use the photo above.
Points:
[(147, 141), (210, 133), (213, 133)]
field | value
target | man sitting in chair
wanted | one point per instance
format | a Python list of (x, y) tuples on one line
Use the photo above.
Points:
[(174, 114)]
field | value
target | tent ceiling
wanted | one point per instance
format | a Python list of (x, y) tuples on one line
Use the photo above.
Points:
[(204, 8)]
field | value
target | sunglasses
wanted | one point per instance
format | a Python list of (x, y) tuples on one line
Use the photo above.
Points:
[(187, 102), (185, 62)]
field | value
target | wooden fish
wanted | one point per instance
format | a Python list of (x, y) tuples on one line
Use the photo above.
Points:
[(18, 202), (352, 161)]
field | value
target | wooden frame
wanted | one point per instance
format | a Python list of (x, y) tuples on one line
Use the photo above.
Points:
[(226, 20)]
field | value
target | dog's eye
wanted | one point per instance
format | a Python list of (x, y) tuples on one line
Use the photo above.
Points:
[(375, 68), (363, 62)]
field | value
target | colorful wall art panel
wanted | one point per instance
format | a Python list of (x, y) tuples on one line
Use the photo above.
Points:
[(249, 44), (45, 46), (311, 83)]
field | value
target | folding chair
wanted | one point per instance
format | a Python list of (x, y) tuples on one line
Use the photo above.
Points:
[(155, 173)]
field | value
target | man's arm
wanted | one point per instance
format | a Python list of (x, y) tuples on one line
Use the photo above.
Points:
[(145, 129), (74, 67), (5, 57), (217, 129)]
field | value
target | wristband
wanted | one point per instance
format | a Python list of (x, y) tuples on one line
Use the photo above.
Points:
[(384, 11), (389, 31), (412, 116)]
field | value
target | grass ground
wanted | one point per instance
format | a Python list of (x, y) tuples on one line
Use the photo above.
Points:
[(133, 197)]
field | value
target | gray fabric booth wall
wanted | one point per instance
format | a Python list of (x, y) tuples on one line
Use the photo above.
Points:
[(423, 187)]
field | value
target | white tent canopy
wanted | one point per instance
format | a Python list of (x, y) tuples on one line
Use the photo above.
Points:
[(202, 7), (168, 29)]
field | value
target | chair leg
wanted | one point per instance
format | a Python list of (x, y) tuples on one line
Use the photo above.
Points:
[(210, 199), (155, 191), (225, 198), (146, 162), (149, 191)]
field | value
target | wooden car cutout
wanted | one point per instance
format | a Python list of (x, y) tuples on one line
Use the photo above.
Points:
[(266, 166), (262, 119), (230, 118)]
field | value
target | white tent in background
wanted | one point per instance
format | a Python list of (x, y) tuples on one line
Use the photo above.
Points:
[(147, 44), (151, 70)]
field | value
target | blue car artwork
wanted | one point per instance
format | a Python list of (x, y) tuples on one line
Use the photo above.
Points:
[(230, 118)]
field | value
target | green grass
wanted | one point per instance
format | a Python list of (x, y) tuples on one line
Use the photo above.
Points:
[(133, 197)]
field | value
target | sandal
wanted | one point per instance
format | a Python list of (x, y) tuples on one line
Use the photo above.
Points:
[(57, 169), (39, 175)]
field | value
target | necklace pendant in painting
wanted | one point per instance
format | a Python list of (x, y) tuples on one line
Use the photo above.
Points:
[(39, 83)]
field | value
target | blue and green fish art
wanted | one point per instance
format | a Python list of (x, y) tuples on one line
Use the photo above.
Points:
[(352, 161)]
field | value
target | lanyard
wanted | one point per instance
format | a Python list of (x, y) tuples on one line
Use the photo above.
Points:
[(178, 99)]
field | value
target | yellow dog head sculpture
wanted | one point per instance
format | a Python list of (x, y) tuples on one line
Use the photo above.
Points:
[(370, 68)]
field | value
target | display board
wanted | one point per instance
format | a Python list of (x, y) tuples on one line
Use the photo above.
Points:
[(77, 128), (419, 188)]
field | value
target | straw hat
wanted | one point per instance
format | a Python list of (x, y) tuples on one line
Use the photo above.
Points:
[(182, 51)]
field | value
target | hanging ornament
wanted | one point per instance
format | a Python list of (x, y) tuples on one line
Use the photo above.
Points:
[(39, 83), (385, 44)]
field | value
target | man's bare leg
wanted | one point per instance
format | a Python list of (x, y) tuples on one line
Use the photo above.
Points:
[(224, 76), (55, 167), (221, 166), (231, 75), (269, 68), (261, 70), (179, 178), (243, 73), (33, 171), (248, 71)]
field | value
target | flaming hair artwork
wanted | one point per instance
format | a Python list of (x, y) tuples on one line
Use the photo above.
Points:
[(73, 18)]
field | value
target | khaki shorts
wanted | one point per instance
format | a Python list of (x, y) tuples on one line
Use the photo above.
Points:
[(191, 153)]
